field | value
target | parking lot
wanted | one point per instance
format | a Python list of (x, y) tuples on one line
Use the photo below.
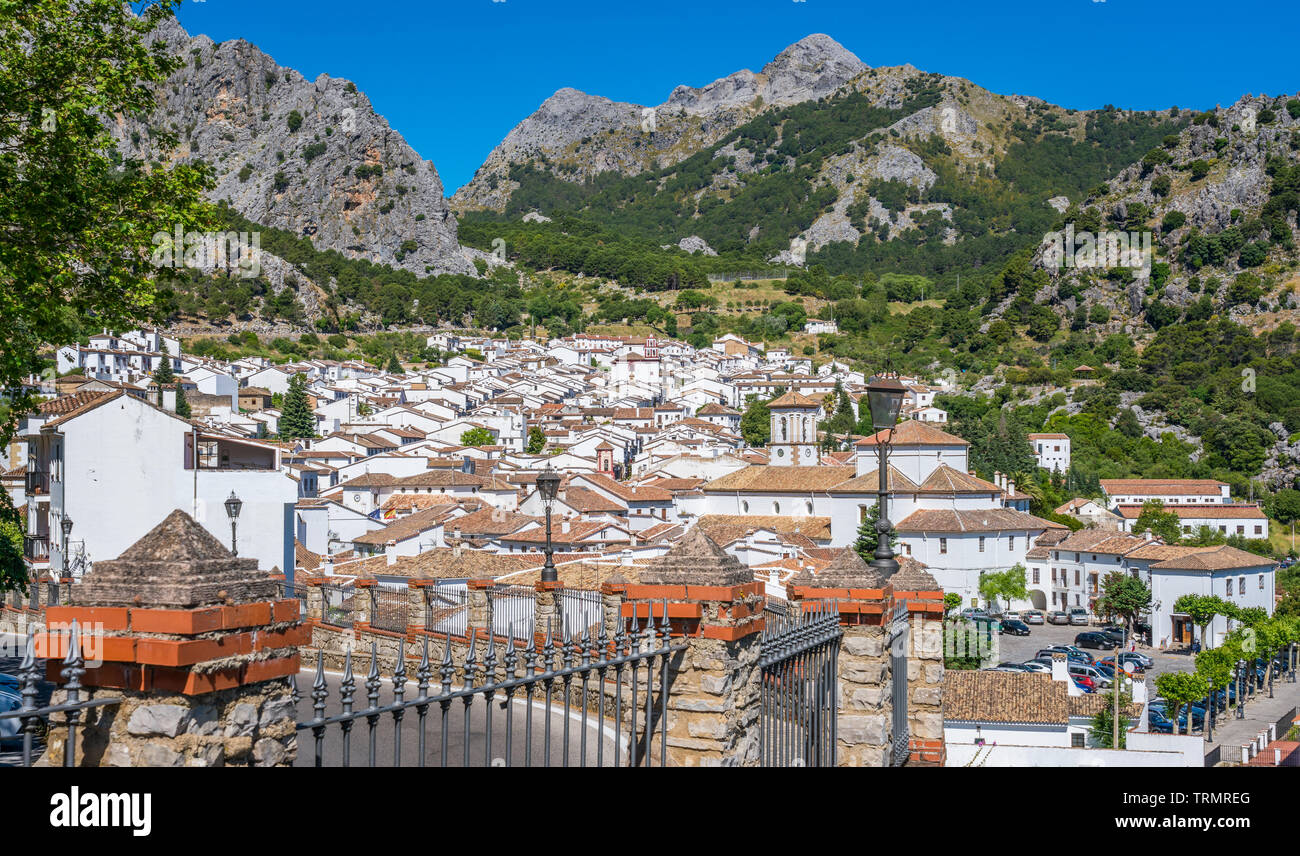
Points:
[(1017, 649)]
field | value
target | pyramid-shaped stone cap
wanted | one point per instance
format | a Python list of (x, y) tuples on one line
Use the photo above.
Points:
[(846, 570), (178, 564), (912, 576), (696, 560)]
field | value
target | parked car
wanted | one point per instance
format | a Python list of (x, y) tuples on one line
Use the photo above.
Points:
[(1009, 667), (1037, 666), (1078, 615), (1109, 664), (1013, 615), (9, 702), (1057, 617), (1096, 640), (1134, 660), (1158, 723), (1084, 683), (1014, 627), (1115, 633), (1198, 715), (1073, 654), (1032, 616), (1080, 670)]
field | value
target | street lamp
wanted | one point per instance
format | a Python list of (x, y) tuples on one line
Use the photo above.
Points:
[(885, 398), (1241, 689), (66, 525), (548, 485), (233, 504)]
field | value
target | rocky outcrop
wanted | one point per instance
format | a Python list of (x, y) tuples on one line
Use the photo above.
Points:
[(581, 135), (311, 157)]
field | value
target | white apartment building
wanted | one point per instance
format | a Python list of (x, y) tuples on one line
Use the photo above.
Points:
[(1169, 491), (116, 466), (1248, 521), (1051, 451)]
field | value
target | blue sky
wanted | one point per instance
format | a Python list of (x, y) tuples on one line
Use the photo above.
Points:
[(454, 76)]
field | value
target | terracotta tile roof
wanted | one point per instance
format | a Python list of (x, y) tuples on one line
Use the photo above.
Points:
[(1101, 541), (1170, 487), (716, 410), (489, 521), (1223, 558), (793, 399), (304, 558), (1201, 512), (870, 483), (588, 501), (442, 563), (725, 528), (579, 532), (1006, 697), (914, 433), (1048, 436), (1090, 704), (627, 492), (404, 527), (768, 479), (945, 479), (972, 520)]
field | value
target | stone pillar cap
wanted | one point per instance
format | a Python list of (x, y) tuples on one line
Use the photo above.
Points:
[(178, 564), (698, 560), (846, 570)]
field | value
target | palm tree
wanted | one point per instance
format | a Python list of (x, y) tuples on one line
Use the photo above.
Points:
[(1029, 486)]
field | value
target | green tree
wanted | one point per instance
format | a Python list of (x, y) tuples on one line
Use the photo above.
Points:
[(1202, 609), (1124, 596), (477, 437), (536, 441), (1216, 666), (296, 419), (1103, 722), (182, 404), (1005, 586), (1154, 519), (868, 538), (756, 421), (951, 601), (78, 220), (1180, 688), (163, 375), (395, 365)]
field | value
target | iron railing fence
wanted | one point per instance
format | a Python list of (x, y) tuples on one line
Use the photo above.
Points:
[(389, 607), (36, 547), (602, 688), (581, 609), (446, 609), (337, 604), (33, 721), (799, 661), (296, 591), (1284, 724), (513, 610)]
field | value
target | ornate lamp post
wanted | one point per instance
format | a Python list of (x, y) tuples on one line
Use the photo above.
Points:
[(548, 485), (66, 526), (885, 398), (1241, 689), (233, 504)]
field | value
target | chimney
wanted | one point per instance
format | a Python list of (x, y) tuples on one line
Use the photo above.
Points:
[(390, 550), (564, 525), (997, 478), (455, 533), (1011, 487), (626, 557)]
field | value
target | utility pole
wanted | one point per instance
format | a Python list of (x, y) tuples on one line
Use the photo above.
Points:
[(1114, 691)]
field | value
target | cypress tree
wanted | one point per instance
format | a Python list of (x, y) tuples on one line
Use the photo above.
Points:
[(296, 419)]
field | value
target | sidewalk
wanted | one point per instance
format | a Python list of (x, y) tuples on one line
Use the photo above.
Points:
[(1231, 733)]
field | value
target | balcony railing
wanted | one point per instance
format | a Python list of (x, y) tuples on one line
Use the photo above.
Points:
[(38, 482), (36, 547)]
